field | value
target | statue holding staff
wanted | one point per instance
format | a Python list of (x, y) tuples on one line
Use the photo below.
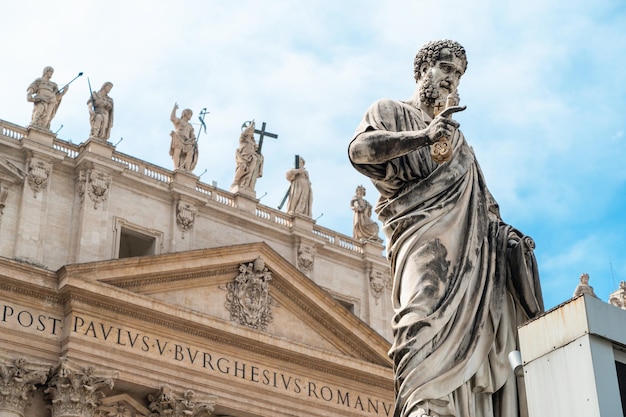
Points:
[(46, 98), (101, 112)]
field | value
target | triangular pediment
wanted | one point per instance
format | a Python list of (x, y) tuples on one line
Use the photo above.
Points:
[(9, 172), (225, 283)]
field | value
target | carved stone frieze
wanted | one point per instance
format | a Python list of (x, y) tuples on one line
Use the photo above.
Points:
[(166, 403), (76, 391), (121, 405), (185, 215), (38, 175), (18, 381), (306, 258), (248, 298)]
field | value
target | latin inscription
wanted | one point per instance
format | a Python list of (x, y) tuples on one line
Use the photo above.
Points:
[(211, 362)]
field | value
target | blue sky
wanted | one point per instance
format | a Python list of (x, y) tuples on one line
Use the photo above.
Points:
[(545, 93)]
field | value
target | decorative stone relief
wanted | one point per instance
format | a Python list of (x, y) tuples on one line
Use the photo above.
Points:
[(306, 258), (248, 298), (38, 174), (165, 403), (18, 380), (185, 215), (76, 392), (98, 184), (121, 405), (378, 283)]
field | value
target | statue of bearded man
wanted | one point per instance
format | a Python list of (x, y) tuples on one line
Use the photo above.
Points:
[(463, 279)]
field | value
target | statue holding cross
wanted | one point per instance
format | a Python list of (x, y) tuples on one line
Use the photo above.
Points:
[(248, 157)]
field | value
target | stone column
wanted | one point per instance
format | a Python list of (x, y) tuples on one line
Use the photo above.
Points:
[(18, 380), (76, 391), (165, 403)]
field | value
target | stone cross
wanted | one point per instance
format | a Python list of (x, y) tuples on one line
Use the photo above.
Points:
[(262, 133)]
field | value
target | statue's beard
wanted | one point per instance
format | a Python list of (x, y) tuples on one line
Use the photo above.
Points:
[(430, 94)]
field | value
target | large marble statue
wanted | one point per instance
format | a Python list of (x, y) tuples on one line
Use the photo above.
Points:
[(300, 193), (101, 112), (463, 280), (363, 227), (46, 98), (249, 162), (183, 148)]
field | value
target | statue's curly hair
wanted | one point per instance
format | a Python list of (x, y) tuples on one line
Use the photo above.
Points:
[(430, 54)]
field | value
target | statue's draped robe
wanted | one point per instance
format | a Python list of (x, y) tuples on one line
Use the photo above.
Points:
[(462, 279), (363, 227), (300, 193)]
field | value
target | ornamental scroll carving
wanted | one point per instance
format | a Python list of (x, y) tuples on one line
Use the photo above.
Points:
[(248, 298), (76, 392), (378, 282), (98, 184), (38, 175), (166, 403), (306, 258), (185, 215), (95, 184), (18, 381)]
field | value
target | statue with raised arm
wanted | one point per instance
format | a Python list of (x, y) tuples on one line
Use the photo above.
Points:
[(463, 279), (300, 193), (363, 227), (46, 98), (101, 112), (183, 148), (248, 160)]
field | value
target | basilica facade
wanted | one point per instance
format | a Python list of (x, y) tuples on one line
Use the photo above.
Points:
[(130, 290)]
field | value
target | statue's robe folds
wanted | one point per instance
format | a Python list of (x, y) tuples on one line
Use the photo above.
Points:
[(463, 280)]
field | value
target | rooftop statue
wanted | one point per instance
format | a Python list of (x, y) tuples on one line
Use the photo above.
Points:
[(101, 112), (363, 227), (248, 159), (184, 147), (463, 280), (300, 193), (584, 287), (46, 98)]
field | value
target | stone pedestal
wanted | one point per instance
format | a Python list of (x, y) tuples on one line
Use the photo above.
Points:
[(41, 136), (184, 178), (245, 199), (98, 147)]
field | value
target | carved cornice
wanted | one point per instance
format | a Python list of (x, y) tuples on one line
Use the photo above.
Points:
[(148, 281)]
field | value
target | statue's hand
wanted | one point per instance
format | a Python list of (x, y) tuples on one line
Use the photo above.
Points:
[(449, 111), (441, 127)]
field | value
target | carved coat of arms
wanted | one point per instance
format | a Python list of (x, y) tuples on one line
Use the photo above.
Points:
[(248, 299)]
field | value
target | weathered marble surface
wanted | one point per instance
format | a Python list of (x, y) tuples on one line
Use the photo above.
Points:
[(463, 279)]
